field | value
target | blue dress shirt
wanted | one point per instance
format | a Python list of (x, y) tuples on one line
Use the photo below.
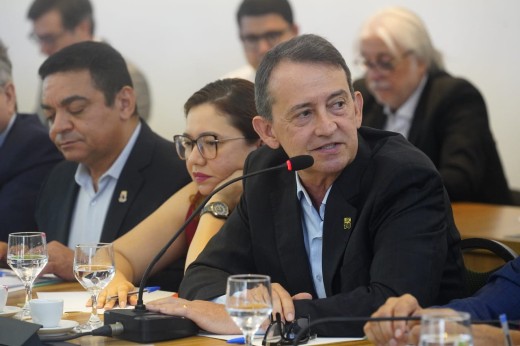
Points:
[(312, 225)]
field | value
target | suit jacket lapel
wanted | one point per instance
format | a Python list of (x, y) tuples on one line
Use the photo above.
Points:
[(289, 235), (68, 202), (340, 214), (130, 181)]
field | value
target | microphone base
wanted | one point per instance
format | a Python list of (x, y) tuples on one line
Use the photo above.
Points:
[(149, 327)]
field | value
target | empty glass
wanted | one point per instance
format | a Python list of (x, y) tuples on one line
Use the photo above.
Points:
[(446, 328)]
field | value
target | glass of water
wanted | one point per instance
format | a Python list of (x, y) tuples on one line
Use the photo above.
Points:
[(27, 255), (446, 328), (94, 268), (248, 302)]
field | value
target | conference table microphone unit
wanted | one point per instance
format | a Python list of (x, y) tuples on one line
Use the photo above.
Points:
[(143, 326)]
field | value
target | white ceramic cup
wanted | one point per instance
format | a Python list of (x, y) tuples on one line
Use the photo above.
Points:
[(3, 297), (46, 312)]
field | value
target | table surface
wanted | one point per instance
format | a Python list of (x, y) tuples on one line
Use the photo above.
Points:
[(501, 223), (18, 297)]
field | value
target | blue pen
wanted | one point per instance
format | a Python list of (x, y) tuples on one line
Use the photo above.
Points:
[(236, 341), (505, 329), (146, 289)]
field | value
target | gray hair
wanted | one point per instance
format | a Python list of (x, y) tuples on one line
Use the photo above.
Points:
[(5, 65), (397, 26), (300, 49)]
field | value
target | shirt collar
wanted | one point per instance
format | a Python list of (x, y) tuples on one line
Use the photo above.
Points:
[(3, 135), (407, 109), (300, 190), (83, 173)]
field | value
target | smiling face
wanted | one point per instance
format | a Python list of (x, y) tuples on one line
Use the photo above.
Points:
[(313, 114), (83, 127), (391, 87), (231, 155)]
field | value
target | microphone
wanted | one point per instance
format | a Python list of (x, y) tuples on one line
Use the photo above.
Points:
[(152, 327)]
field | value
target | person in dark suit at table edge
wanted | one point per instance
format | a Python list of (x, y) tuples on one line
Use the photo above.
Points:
[(369, 220), (26, 156), (118, 171), (407, 90)]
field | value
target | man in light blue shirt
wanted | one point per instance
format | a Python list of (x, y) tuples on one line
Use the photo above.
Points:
[(117, 172)]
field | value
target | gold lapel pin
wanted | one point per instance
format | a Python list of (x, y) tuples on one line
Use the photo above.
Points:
[(123, 196), (347, 223)]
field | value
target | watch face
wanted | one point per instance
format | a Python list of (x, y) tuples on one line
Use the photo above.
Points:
[(220, 208)]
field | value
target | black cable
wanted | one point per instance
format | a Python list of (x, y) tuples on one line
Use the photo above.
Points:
[(107, 330)]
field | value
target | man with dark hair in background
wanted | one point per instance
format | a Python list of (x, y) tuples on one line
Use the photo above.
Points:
[(60, 23), (117, 171), (26, 156), (262, 25)]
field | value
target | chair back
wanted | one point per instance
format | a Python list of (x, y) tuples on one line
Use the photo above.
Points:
[(474, 280)]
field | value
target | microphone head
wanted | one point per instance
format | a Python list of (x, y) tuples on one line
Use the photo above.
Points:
[(300, 162)]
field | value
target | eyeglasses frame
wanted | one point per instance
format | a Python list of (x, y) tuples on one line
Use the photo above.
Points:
[(217, 141)]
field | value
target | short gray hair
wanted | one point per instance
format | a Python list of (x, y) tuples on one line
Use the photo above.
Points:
[(5, 65), (299, 49), (397, 26)]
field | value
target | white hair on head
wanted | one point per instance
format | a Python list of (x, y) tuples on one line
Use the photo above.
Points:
[(397, 26), (5, 65)]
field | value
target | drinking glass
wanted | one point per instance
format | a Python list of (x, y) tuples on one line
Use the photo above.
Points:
[(248, 302), (94, 268), (441, 328), (27, 255)]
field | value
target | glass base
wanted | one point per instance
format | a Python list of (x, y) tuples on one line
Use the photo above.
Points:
[(93, 323)]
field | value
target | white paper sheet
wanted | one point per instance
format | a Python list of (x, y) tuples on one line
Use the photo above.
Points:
[(258, 339), (75, 301)]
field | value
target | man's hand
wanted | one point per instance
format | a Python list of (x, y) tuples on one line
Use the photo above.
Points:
[(209, 316), (283, 303), (3, 254), (393, 332), (61, 261)]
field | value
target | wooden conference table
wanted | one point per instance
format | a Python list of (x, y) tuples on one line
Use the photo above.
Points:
[(501, 223), (19, 297)]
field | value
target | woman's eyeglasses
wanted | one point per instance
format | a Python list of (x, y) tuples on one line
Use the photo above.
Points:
[(279, 333), (206, 144)]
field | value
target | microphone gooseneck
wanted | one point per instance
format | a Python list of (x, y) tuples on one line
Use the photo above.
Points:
[(293, 164)]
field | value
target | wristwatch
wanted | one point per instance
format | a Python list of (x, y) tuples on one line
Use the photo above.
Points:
[(217, 209)]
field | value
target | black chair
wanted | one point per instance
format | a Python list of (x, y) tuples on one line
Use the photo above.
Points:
[(515, 194), (474, 280)]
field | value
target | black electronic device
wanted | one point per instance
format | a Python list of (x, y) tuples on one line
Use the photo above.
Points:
[(145, 326), (17, 333)]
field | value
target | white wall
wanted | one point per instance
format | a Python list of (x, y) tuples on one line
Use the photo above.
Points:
[(182, 45)]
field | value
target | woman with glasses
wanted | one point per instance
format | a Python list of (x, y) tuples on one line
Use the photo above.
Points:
[(218, 137)]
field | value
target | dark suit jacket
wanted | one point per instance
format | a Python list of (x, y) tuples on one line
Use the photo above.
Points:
[(152, 174), (450, 125), (26, 157), (401, 237)]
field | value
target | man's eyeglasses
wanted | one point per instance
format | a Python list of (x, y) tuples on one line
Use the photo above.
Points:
[(251, 42), (206, 144), (383, 64), (279, 333), (49, 40)]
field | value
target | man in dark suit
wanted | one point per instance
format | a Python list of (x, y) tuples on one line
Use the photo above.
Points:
[(117, 171), (406, 90), (368, 220), (26, 156)]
